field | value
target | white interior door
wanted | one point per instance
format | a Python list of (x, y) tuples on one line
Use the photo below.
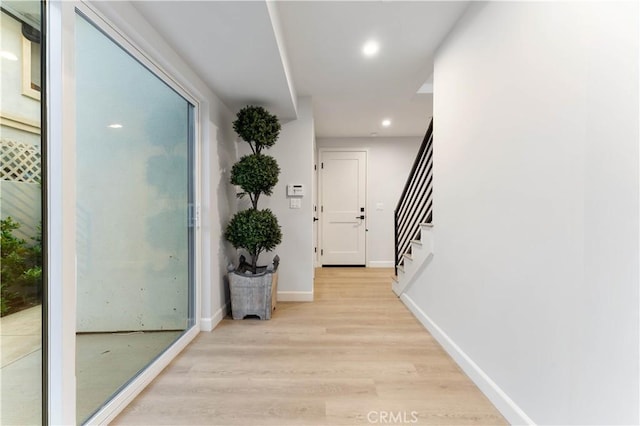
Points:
[(343, 177)]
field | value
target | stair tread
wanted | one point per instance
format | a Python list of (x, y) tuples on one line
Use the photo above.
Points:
[(408, 256), (418, 242), (395, 278), (430, 225)]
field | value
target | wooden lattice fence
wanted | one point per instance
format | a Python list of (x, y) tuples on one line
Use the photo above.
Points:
[(20, 162), (20, 191)]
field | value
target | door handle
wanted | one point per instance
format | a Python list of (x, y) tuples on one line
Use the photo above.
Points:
[(315, 219), (360, 217)]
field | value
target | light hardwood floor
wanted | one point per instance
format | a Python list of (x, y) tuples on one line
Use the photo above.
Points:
[(353, 356)]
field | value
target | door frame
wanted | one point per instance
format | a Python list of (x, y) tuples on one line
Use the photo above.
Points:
[(316, 210), (318, 200), (61, 203)]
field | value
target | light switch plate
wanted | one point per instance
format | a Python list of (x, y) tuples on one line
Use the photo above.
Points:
[(295, 203)]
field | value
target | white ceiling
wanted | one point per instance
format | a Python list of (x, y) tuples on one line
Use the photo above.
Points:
[(252, 52), (231, 45)]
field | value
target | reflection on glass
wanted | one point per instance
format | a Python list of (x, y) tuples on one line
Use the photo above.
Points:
[(132, 235), (21, 283)]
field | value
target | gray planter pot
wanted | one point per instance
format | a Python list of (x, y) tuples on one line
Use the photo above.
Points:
[(253, 294)]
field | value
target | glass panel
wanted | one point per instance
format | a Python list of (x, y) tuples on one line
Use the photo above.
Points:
[(21, 284), (133, 139), (35, 66)]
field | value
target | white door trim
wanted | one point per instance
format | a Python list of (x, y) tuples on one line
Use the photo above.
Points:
[(60, 242)]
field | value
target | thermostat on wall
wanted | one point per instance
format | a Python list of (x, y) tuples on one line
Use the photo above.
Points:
[(295, 190)]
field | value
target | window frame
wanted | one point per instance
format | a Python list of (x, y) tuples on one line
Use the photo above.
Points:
[(61, 204), (27, 90)]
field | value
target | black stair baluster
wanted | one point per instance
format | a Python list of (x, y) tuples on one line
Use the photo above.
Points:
[(415, 205)]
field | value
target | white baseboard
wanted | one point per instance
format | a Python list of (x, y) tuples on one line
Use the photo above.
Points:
[(507, 407), (380, 264), (208, 324), (396, 288), (295, 296)]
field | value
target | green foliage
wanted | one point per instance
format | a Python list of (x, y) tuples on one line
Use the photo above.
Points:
[(4, 301), (9, 242), (21, 268), (256, 174), (257, 126), (254, 231)]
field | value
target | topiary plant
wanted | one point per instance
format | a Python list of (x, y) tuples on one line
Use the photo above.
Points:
[(255, 230), (258, 127), (256, 174)]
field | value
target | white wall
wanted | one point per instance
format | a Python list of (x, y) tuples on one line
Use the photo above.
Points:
[(294, 152), (14, 103), (389, 163), (535, 273), (217, 208)]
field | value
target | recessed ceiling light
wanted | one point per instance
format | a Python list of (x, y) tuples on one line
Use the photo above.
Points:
[(386, 122), (115, 126), (370, 48), (8, 55), (374, 134)]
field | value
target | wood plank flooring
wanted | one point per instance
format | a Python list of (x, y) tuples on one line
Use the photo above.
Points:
[(353, 356)]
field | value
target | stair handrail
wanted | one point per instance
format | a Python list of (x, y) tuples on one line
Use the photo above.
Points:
[(407, 217)]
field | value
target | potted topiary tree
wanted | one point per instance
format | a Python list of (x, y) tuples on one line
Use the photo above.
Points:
[(253, 231)]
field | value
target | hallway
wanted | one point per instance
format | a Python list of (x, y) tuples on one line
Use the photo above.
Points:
[(353, 356)]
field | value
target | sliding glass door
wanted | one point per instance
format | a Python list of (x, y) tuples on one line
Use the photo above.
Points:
[(134, 234)]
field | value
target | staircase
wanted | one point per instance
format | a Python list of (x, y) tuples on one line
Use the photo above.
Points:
[(419, 255), (413, 218)]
